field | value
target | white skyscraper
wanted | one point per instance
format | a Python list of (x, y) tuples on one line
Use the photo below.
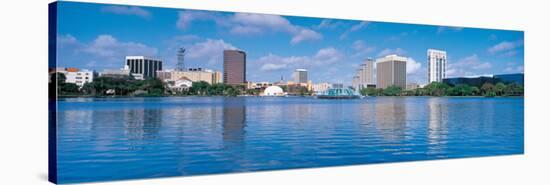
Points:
[(437, 65)]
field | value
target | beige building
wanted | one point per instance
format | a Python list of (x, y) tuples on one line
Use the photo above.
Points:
[(258, 85), (391, 70), (320, 87), (364, 75), (308, 84), (193, 74)]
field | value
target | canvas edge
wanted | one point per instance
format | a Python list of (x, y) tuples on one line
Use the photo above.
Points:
[(52, 94)]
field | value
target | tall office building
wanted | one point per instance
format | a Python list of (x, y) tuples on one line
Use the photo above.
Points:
[(300, 76), (142, 67), (355, 81), (391, 70), (234, 67), (180, 66), (437, 64), (365, 74)]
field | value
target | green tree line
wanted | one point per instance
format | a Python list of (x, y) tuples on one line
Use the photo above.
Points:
[(203, 88), (103, 86), (107, 86), (442, 89)]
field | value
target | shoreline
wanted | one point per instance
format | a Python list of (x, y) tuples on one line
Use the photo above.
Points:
[(85, 96)]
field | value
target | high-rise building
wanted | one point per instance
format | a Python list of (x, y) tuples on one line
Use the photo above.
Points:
[(142, 67), (355, 82), (180, 66), (368, 72), (364, 76), (300, 76), (234, 67), (437, 64), (391, 71)]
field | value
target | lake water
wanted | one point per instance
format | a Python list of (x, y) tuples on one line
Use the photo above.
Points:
[(103, 139)]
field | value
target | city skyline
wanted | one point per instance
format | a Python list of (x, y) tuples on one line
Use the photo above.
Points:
[(330, 49)]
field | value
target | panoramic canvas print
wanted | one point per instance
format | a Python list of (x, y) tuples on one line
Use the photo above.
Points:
[(145, 92)]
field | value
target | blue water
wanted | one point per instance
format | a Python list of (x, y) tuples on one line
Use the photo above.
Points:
[(103, 139)]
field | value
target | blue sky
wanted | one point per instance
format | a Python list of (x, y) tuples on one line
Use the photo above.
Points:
[(98, 36)]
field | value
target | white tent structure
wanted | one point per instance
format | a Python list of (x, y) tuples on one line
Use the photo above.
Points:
[(274, 91)]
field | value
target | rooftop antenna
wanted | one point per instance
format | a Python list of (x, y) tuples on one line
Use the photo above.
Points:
[(180, 66)]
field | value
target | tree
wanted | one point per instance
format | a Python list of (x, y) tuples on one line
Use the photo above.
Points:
[(488, 89), (460, 90), (436, 89), (254, 92), (69, 89), (392, 91), (499, 89), (199, 88), (232, 91), (302, 91), (513, 89), (476, 91), (370, 91)]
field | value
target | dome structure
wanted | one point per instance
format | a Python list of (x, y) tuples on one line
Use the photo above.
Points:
[(274, 91)]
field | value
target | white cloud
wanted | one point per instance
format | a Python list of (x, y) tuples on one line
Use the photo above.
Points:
[(412, 66), (358, 45), (107, 46), (442, 29), (388, 51), (484, 65), (262, 21), (329, 24), (323, 57), (245, 23), (209, 50), (359, 26), (127, 10), (250, 24), (200, 52), (354, 28), (467, 66), (361, 49), (67, 41), (245, 30), (272, 67), (185, 18), (103, 51), (517, 69), (505, 46), (305, 34), (327, 56)]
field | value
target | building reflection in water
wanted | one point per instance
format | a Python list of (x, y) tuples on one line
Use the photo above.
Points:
[(391, 118), (234, 121), (142, 124), (437, 126)]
